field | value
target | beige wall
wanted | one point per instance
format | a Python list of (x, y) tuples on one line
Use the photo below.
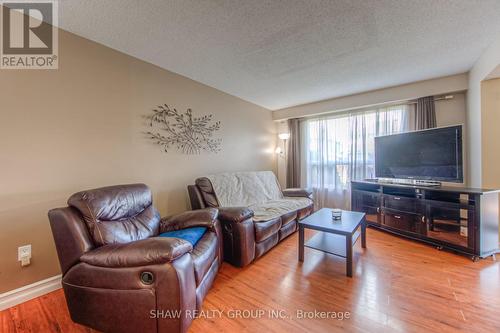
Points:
[(484, 66), (490, 134), (474, 129), (81, 127), (452, 112)]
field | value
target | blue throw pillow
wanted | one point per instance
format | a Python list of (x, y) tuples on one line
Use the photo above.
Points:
[(192, 235)]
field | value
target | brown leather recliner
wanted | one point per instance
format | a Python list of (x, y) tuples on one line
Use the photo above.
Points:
[(245, 236), (118, 276)]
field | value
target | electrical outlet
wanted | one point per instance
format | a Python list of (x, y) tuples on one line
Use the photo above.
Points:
[(24, 254)]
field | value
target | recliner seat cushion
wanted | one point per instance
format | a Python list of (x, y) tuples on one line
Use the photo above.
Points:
[(266, 229), (277, 208), (288, 218), (287, 230), (266, 245), (192, 235), (306, 211)]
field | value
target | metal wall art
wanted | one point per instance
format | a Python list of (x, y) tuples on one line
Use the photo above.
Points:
[(183, 131)]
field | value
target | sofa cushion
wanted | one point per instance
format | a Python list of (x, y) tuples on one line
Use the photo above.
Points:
[(265, 229), (203, 255), (192, 235), (304, 212), (288, 218), (287, 230), (276, 208), (266, 245)]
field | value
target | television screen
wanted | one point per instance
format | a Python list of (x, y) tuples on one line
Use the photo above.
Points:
[(433, 154)]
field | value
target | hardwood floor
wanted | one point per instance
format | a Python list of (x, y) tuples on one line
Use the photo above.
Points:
[(398, 286)]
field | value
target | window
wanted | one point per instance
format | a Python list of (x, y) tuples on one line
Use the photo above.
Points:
[(340, 148)]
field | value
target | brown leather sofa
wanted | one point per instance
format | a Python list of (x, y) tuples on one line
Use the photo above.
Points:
[(117, 275), (244, 238)]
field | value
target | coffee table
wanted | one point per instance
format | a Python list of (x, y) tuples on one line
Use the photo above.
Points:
[(336, 237)]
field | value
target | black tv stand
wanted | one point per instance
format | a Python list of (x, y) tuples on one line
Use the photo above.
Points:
[(461, 219)]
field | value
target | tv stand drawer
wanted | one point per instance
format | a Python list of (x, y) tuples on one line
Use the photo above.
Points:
[(400, 203), (406, 222)]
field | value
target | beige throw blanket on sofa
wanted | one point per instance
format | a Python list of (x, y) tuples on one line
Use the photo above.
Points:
[(259, 191)]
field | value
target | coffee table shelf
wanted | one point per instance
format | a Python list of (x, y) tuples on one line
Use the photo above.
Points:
[(330, 243), (333, 237)]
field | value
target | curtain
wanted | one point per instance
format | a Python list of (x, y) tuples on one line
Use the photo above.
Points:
[(425, 113), (338, 149), (293, 155)]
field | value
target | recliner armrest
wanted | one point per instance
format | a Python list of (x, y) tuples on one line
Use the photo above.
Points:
[(298, 192), (235, 214), (194, 218), (150, 251)]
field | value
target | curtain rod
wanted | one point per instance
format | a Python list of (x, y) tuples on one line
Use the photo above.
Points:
[(444, 98)]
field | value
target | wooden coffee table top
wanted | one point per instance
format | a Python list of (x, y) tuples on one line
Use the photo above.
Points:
[(322, 220)]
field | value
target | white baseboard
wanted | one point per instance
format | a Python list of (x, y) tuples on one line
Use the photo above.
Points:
[(23, 294)]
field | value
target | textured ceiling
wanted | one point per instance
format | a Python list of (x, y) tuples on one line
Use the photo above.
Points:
[(283, 53)]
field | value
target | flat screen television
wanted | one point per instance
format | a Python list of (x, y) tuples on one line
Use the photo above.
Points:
[(432, 154)]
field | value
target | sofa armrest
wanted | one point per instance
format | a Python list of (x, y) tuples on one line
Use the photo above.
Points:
[(238, 234), (150, 251), (194, 218), (235, 214), (297, 192)]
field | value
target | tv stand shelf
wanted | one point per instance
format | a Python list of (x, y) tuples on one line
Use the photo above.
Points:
[(461, 219)]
